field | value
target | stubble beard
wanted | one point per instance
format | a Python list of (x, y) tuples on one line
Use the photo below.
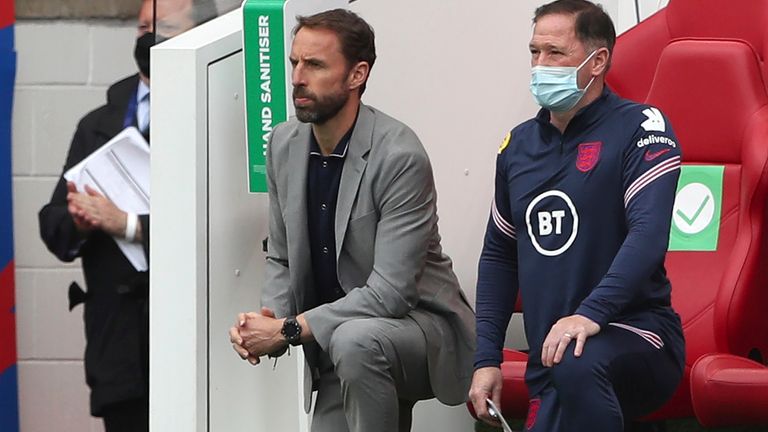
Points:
[(324, 109)]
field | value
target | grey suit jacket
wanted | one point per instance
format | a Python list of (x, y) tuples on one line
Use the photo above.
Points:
[(389, 259)]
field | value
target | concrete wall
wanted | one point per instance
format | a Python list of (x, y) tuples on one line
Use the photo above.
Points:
[(64, 69), (76, 9), (90, 9)]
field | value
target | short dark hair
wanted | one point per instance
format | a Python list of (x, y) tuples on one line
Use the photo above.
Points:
[(594, 28), (355, 35)]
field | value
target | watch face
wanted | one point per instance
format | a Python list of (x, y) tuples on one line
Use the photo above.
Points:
[(291, 330)]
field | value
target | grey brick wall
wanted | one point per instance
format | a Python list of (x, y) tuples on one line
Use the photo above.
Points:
[(64, 69), (76, 9)]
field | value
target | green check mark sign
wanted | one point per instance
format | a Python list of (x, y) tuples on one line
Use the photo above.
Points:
[(690, 221), (694, 208), (696, 214)]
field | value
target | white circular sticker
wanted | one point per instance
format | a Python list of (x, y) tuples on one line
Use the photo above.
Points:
[(694, 208)]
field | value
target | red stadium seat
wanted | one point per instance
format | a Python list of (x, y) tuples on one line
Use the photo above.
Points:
[(719, 383), (638, 50), (702, 63), (715, 96)]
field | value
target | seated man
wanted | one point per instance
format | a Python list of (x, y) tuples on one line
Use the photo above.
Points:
[(580, 225), (355, 271)]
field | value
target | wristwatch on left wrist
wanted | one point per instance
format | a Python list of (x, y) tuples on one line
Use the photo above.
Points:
[(291, 331)]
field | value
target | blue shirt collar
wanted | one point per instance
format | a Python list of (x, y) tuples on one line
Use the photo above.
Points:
[(141, 91)]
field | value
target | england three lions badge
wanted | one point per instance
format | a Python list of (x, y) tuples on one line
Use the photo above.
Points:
[(589, 154)]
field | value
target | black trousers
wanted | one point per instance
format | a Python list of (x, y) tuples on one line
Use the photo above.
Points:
[(128, 416)]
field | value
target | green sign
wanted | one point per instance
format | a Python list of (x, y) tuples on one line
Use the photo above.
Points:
[(696, 214), (265, 82)]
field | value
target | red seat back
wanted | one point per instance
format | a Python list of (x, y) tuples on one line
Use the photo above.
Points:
[(638, 50), (714, 94), (703, 62)]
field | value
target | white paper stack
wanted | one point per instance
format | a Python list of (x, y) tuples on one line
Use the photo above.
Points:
[(119, 170)]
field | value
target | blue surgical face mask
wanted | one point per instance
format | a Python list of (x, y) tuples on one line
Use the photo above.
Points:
[(556, 88)]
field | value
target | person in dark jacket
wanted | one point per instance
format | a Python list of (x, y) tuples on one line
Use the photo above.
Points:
[(85, 225)]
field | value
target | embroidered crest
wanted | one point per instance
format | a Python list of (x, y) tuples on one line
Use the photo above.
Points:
[(533, 411), (589, 154)]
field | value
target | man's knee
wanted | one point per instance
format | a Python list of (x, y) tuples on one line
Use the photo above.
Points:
[(354, 347), (575, 375)]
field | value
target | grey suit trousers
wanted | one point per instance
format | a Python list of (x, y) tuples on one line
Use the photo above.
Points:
[(373, 373)]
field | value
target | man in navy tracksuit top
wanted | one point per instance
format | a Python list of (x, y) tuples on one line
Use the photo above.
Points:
[(580, 226)]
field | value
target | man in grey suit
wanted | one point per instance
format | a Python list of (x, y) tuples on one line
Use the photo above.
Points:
[(355, 270)]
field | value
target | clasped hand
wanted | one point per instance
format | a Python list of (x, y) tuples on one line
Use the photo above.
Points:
[(91, 210), (256, 334)]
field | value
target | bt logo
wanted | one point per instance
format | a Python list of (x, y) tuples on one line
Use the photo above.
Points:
[(545, 222), (552, 222)]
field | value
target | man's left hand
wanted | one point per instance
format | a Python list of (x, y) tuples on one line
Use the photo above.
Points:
[(576, 327)]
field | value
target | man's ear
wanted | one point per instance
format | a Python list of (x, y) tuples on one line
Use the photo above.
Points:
[(358, 74), (602, 57)]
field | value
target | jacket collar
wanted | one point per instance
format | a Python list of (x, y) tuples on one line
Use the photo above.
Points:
[(118, 96), (354, 165)]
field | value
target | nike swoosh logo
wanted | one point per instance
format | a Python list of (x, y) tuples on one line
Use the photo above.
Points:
[(649, 156)]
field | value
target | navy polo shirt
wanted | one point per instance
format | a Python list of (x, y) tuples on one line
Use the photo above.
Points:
[(323, 182)]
